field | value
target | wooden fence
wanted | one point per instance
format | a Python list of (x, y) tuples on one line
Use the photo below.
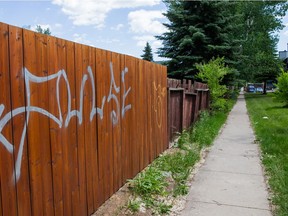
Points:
[(75, 123), (185, 101)]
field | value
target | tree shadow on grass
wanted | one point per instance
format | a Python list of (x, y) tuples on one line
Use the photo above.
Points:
[(281, 107), (249, 96)]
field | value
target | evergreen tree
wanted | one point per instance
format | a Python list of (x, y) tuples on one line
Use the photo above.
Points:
[(147, 55), (39, 29), (197, 32)]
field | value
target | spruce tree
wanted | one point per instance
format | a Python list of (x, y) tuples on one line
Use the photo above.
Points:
[(147, 55), (197, 32)]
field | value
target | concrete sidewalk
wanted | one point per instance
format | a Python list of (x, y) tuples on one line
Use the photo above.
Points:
[(231, 182)]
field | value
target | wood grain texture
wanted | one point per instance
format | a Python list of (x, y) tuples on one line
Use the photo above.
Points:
[(8, 188), (18, 100)]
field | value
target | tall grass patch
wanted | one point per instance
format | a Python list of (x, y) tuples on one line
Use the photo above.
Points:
[(270, 122)]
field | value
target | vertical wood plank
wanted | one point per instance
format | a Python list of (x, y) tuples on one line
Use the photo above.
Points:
[(34, 91), (93, 131), (143, 102), (1, 213), (125, 154), (131, 81), (71, 151), (8, 187), (165, 109), (44, 141), (64, 131), (81, 130), (100, 93), (18, 100), (156, 109), (140, 118), (72, 144), (54, 66), (87, 105), (108, 118), (116, 128)]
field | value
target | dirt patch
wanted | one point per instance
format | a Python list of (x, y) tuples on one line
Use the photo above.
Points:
[(117, 204)]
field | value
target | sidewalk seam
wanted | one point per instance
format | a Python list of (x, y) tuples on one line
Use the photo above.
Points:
[(231, 205), (237, 173)]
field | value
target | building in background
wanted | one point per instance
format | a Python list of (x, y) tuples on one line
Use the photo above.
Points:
[(283, 55)]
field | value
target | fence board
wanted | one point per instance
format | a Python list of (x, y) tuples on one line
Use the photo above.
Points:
[(87, 104), (18, 100), (116, 128), (176, 107), (34, 94), (100, 92), (108, 113), (104, 124), (93, 152), (149, 109), (131, 64), (126, 116), (1, 210), (64, 130), (141, 118), (8, 188), (165, 144), (81, 129), (45, 151), (72, 144)]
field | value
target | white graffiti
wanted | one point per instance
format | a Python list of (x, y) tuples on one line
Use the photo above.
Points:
[(29, 77)]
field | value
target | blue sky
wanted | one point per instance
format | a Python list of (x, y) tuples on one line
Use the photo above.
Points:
[(121, 26)]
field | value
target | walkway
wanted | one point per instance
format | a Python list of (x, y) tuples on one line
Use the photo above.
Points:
[(231, 182)]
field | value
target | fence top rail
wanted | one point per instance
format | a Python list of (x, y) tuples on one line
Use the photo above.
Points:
[(202, 90), (176, 89)]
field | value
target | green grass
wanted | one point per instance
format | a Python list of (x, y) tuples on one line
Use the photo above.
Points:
[(168, 174), (207, 128), (270, 122)]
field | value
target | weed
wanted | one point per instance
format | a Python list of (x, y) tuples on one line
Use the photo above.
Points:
[(163, 208), (133, 205), (180, 189), (149, 182)]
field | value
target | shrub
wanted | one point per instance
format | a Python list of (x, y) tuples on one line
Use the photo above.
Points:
[(213, 72), (281, 93)]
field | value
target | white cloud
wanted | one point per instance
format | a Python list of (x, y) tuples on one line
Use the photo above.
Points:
[(107, 40), (81, 38), (143, 21), (286, 33), (142, 40), (146, 25), (118, 27), (88, 12), (58, 25)]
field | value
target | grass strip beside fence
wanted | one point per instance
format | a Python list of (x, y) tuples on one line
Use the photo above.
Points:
[(166, 178)]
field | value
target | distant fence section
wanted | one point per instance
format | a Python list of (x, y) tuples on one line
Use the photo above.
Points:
[(75, 123), (185, 101)]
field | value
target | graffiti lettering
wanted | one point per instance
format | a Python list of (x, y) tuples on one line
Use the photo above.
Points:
[(158, 102), (29, 77)]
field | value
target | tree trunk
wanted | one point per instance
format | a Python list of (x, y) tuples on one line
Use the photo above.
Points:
[(264, 87)]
